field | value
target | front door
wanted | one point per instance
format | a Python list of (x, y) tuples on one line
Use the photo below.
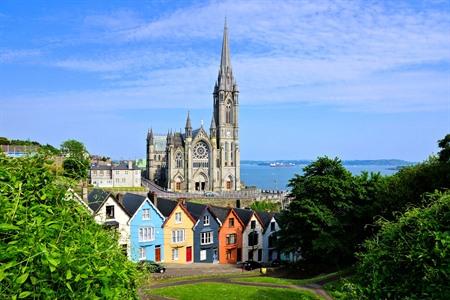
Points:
[(188, 254), (157, 253), (239, 254)]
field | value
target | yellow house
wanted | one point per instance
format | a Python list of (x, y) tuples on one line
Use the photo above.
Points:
[(179, 236)]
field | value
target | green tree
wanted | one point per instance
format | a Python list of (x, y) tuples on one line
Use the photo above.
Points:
[(444, 144), (76, 163), (408, 258), (265, 205), (319, 219), (51, 247)]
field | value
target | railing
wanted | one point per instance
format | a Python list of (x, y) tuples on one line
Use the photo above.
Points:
[(243, 194)]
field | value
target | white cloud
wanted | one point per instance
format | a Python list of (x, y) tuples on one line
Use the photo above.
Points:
[(353, 55)]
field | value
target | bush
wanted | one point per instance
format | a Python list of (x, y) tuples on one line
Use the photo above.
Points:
[(50, 246), (409, 258)]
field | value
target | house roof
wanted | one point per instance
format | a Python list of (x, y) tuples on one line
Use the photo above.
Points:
[(244, 214), (183, 208), (220, 212), (265, 218), (166, 206), (96, 198), (131, 202), (195, 209)]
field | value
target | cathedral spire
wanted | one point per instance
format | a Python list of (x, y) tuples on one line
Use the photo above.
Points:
[(225, 61), (188, 128), (150, 136)]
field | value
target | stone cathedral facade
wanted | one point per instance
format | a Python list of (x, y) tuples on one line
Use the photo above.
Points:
[(198, 160)]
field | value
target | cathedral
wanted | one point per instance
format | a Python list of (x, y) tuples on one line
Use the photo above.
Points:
[(195, 160)]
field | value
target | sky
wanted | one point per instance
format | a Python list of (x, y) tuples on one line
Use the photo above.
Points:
[(353, 79)]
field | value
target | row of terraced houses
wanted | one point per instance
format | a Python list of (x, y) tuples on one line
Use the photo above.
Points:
[(164, 230)]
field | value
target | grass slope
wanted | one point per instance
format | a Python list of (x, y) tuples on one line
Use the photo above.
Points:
[(208, 291), (286, 281)]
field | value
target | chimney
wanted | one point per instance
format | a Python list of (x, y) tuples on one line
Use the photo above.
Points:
[(238, 203), (85, 193), (119, 198), (153, 198), (130, 164), (182, 201)]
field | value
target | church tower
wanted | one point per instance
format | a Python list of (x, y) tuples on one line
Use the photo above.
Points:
[(226, 112)]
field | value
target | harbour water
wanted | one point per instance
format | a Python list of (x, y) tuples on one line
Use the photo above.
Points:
[(277, 178)]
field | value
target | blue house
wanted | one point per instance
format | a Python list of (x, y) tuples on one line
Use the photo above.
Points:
[(206, 233), (146, 233)]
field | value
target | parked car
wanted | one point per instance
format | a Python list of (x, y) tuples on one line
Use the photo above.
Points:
[(151, 266), (275, 263), (251, 265), (210, 194)]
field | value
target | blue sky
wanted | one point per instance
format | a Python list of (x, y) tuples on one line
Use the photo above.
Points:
[(354, 79)]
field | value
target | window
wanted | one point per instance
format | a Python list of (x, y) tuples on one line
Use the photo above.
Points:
[(252, 238), (179, 160), (110, 212), (174, 254), (228, 113), (272, 240), (146, 214), (178, 236), (272, 226), (178, 217), (259, 254), (253, 224), (202, 254), (146, 234), (231, 239), (178, 186), (123, 179), (206, 238), (142, 253), (231, 222), (205, 220)]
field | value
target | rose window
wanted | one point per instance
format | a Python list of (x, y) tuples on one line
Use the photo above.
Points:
[(201, 151)]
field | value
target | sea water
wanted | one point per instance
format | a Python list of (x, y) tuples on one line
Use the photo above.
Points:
[(277, 178)]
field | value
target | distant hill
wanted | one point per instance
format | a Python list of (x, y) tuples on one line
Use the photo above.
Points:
[(369, 162)]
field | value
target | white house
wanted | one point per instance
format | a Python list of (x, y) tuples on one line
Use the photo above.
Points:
[(122, 175)]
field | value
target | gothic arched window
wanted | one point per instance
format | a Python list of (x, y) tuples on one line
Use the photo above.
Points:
[(228, 113), (201, 155), (179, 160)]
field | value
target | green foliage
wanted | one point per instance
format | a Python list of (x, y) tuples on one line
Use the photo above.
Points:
[(444, 144), (76, 165), (265, 205), (330, 207), (46, 147), (409, 258), (51, 248)]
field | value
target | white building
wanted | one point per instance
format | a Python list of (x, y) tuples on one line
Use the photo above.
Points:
[(122, 175), (110, 212)]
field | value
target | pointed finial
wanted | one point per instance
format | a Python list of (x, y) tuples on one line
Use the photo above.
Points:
[(188, 121), (201, 122)]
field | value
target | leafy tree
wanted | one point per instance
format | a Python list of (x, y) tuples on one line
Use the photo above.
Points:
[(74, 148), (409, 258), (321, 212), (4, 141), (444, 144), (51, 247), (76, 164), (265, 205)]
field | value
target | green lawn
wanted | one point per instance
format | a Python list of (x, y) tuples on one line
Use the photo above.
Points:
[(285, 281), (208, 291)]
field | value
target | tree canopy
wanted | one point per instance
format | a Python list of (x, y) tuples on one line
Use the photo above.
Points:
[(51, 247), (76, 164)]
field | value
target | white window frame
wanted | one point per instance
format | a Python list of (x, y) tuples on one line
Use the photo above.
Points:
[(206, 220), (175, 254), (178, 217), (178, 236), (202, 255), (146, 234), (142, 255), (206, 238), (146, 214)]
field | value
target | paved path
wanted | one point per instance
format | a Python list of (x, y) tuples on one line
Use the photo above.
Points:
[(314, 288)]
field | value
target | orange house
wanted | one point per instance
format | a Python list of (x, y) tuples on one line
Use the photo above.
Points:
[(230, 236)]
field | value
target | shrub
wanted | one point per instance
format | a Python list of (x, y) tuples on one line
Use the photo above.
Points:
[(50, 246), (409, 258)]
